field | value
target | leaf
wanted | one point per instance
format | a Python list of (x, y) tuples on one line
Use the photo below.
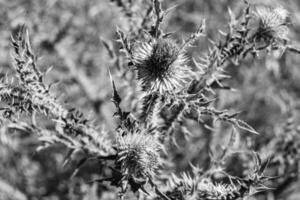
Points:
[(264, 165), (195, 36), (167, 11), (232, 143), (115, 95), (67, 157), (108, 47), (124, 41), (232, 16), (244, 126), (79, 164)]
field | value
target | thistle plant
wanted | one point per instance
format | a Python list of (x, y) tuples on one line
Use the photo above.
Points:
[(191, 94), (168, 104), (30, 95), (201, 186)]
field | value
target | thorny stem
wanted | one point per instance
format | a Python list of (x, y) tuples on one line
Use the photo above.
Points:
[(159, 17)]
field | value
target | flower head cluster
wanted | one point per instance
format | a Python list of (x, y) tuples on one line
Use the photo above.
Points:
[(161, 66), (272, 23), (138, 155)]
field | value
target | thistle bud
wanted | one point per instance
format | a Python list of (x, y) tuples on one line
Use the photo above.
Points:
[(138, 155)]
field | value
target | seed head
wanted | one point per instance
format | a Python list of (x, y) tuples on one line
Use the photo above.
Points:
[(272, 23), (138, 155), (161, 66)]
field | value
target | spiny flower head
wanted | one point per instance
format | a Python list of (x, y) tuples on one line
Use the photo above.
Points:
[(208, 190), (138, 154), (181, 188), (161, 66), (272, 23)]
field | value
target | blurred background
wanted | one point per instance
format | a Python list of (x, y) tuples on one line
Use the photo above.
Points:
[(78, 39)]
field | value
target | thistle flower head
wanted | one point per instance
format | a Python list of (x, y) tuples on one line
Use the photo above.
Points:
[(272, 23), (138, 154), (161, 66), (208, 190), (181, 188)]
